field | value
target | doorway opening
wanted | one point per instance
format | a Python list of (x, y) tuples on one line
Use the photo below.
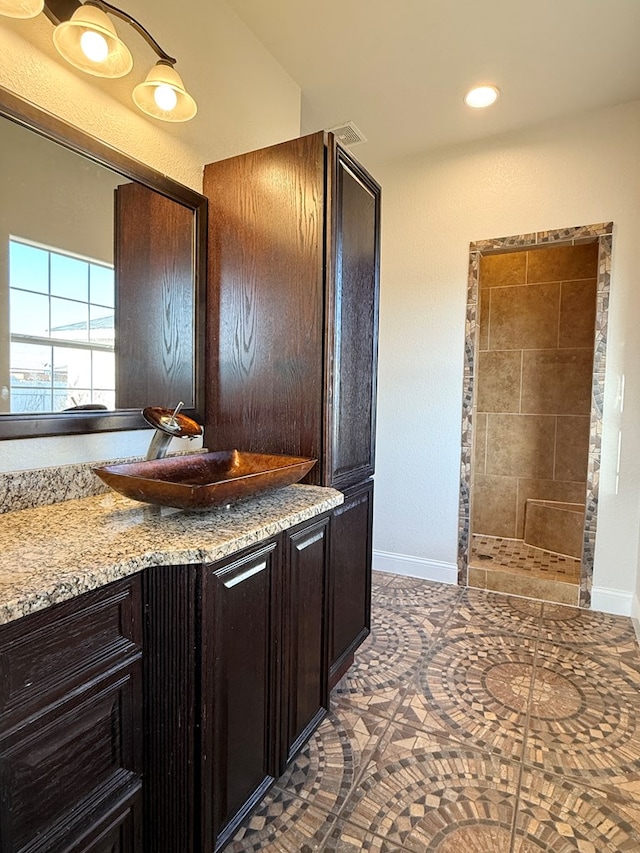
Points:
[(532, 412)]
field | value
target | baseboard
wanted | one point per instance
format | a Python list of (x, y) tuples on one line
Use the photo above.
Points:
[(415, 567), (635, 615), (612, 601)]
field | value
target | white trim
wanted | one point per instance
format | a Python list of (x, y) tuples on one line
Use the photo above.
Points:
[(415, 567), (635, 614), (615, 601)]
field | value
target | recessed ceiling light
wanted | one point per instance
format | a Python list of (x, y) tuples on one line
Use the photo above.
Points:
[(481, 96)]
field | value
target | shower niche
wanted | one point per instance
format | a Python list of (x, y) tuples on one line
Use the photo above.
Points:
[(532, 411)]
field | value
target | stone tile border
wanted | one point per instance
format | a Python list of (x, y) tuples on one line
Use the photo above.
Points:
[(603, 234)]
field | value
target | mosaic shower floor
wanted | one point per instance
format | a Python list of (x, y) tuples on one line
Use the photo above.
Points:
[(471, 722), (512, 566)]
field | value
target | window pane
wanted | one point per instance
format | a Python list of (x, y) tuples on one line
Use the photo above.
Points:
[(102, 325), (28, 267), (101, 285), (29, 314), (69, 277), (104, 371), (72, 369), (69, 320), (106, 398), (30, 378)]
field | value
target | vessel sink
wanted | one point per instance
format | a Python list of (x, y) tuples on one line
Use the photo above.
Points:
[(201, 480)]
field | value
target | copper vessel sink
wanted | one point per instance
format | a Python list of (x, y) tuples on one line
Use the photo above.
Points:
[(202, 480)]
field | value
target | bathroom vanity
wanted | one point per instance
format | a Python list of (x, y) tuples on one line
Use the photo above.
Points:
[(159, 668)]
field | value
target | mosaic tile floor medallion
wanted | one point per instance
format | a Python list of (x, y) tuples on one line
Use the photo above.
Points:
[(470, 723), (420, 794)]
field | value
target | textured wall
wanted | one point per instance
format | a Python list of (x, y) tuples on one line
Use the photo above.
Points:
[(571, 172)]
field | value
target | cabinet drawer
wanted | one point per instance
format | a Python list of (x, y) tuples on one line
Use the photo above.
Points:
[(53, 650), (58, 768), (119, 832)]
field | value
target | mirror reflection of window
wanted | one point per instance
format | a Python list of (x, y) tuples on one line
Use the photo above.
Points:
[(61, 329)]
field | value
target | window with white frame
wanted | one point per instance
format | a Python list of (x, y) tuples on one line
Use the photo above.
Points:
[(62, 329)]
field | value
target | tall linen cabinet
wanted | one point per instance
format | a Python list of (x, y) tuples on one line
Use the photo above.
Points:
[(294, 242)]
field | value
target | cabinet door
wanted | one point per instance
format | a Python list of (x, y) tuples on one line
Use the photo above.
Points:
[(305, 691), (62, 771), (121, 832), (265, 299), (350, 577), (353, 325), (240, 685)]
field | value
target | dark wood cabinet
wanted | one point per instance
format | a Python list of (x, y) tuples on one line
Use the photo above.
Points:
[(305, 688), (349, 587), (240, 687), (71, 725), (293, 306)]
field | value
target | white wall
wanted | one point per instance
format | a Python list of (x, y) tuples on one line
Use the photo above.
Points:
[(578, 171), (245, 99)]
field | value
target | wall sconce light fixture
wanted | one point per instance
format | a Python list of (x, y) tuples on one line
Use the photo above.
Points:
[(85, 36)]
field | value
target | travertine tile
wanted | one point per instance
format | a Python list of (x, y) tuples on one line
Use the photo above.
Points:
[(514, 583), (557, 382), (502, 269), (524, 317), (572, 448), (498, 381), (483, 320), (577, 313), (562, 263), (494, 505), (521, 445), (547, 490), (480, 442), (555, 527)]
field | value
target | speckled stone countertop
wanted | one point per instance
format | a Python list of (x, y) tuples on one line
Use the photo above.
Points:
[(52, 553)]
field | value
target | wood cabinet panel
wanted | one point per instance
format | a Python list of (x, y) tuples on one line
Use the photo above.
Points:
[(305, 689), (265, 299), (293, 306), (46, 653), (156, 346), (60, 766), (353, 343), (171, 710), (350, 577), (119, 832), (240, 685)]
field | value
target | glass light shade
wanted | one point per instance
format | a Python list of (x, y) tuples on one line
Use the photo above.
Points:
[(89, 41), (21, 8), (163, 96), (481, 96)]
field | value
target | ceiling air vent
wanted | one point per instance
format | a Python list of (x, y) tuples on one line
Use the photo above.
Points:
[(348, 134)]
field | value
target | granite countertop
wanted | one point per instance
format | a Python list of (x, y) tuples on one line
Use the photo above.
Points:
[(53, 553)]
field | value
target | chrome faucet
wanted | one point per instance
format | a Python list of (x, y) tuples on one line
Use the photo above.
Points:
[(168, 424)]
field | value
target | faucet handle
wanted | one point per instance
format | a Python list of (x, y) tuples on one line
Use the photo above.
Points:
[(171, 421)]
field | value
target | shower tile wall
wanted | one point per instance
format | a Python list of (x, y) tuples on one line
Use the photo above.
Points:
[(534, 375)]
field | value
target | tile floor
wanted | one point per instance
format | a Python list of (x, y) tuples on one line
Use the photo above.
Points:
[(471, 722)]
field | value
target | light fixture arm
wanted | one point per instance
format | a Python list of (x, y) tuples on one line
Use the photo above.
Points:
[(62, 10)]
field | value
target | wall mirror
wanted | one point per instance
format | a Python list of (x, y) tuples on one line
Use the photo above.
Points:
[(102, 282)]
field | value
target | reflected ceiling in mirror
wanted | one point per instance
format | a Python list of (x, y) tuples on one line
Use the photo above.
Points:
[(101, 282)]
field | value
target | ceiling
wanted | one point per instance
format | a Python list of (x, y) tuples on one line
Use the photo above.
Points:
[(399, 68)]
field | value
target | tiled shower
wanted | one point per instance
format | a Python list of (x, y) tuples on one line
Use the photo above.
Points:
[(534, 370)]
